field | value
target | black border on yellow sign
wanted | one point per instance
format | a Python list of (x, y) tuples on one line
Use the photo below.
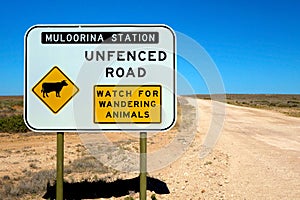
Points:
[(55, 67), (137, 86)]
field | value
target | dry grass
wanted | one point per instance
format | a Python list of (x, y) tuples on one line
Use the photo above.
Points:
[(11, 105), (288, 104), (34, 180)]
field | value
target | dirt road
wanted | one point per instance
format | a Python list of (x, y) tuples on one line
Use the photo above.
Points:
[(256, 157), (264, 151)]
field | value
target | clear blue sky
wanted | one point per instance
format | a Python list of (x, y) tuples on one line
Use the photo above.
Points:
[(255, 44)]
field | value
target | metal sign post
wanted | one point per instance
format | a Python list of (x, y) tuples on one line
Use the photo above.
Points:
[(143, 165), (60, 166)]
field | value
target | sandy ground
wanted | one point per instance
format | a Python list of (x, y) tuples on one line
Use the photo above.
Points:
[(256, 157)]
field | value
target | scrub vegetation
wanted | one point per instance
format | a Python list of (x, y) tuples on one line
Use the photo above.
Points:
[(288, 104), (11, 115)]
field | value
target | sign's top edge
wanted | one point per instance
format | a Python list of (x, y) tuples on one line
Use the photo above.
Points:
[(100, 25), (94, 25), (97, 25)]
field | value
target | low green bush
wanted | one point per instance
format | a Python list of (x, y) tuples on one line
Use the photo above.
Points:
[(13, 124)]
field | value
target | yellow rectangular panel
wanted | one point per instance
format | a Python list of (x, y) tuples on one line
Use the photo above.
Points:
[(127, 103)]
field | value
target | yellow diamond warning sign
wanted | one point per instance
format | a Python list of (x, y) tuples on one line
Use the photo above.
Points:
[(55, 89), (127, 104)]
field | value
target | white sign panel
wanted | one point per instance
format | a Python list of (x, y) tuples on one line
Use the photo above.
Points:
[(100, 78)]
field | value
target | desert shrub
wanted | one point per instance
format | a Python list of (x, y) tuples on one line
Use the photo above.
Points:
[(153, 197), (208, 163), (294, 102), (10, 103), (129, 198), (33, 166), (86, 164), (8, 107), (6, 177), (283, 105), (13, 124), (34, 182)]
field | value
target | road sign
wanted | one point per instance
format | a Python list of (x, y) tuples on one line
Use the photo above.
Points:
[(100, 78), (55, 89)]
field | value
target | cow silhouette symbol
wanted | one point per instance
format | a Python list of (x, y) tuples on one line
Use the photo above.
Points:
[(53, 87)]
